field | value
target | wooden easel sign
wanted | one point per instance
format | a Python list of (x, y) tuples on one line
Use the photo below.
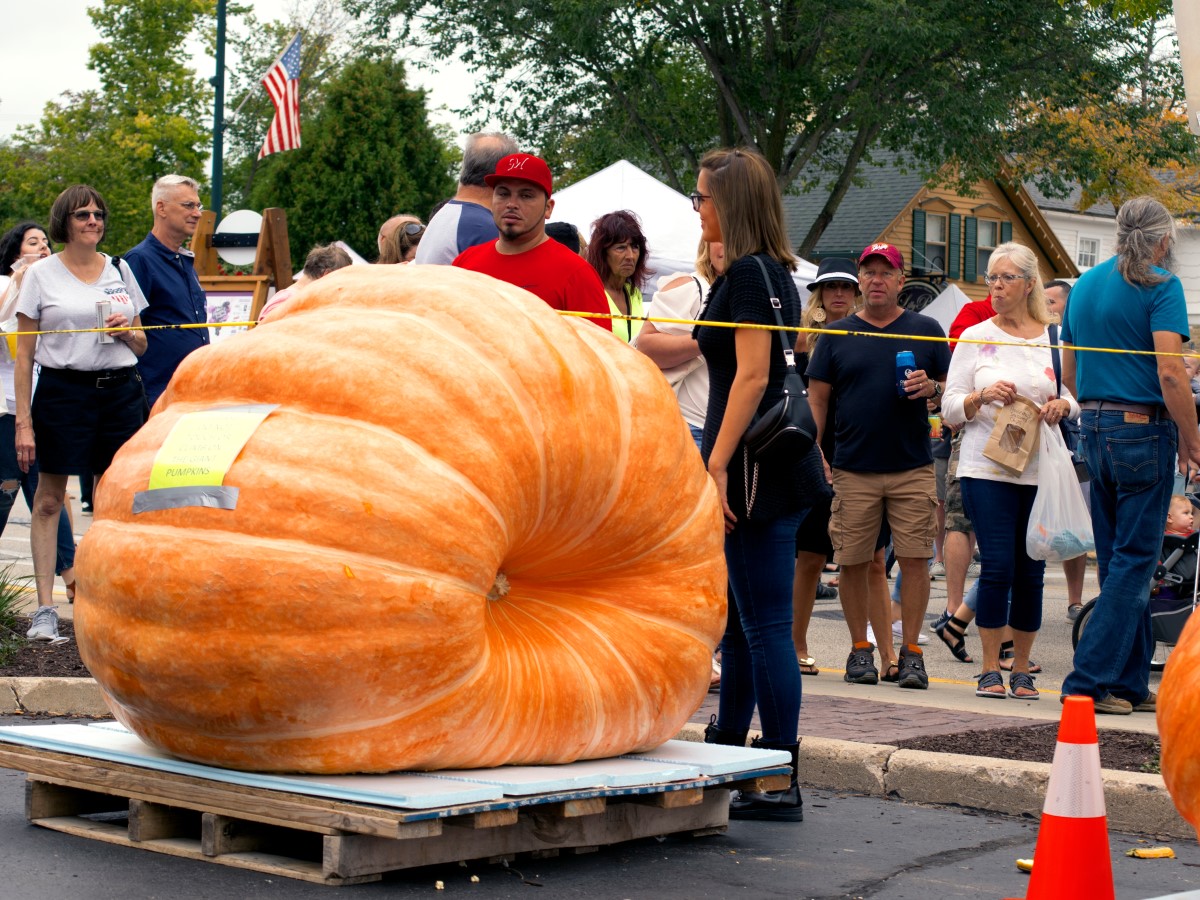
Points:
[(240, 298)]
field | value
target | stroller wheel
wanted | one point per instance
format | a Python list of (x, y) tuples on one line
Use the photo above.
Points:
[(1159, 661), (1081, 621)]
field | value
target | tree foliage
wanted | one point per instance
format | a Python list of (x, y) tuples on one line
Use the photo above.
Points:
[(367, 153), (812, 84), (148, 119)]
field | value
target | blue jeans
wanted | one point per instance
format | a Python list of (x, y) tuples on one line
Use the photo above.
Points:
[(999, 511), (1132, 467), (697, 434), (10, 471), (758, 658)]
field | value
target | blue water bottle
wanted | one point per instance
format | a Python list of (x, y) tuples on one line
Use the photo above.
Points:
[(906, 364)]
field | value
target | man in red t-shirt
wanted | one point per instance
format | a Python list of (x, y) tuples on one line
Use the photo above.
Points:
[(523, 254)]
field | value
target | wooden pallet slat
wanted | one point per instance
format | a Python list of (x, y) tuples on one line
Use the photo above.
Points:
[(344, 841)]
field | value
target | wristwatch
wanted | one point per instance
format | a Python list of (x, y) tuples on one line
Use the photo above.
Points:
[(937, 389)]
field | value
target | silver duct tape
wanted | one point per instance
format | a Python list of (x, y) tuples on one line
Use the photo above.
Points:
[(211, 496)]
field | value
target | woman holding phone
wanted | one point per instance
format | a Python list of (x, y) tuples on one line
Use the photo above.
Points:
[(90, 398), (22, 246)]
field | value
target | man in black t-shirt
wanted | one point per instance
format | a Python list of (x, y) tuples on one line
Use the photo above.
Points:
[(882, 462)]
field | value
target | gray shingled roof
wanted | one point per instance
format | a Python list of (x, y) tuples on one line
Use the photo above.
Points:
[(1070, 203), (865, 211)]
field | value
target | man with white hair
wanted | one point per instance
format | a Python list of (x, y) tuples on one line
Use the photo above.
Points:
[(166, 273), (466, 219)]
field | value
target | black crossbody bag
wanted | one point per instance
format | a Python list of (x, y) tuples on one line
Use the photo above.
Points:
[(787, 428)]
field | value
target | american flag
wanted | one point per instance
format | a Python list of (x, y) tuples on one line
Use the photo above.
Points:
[(282, 82)]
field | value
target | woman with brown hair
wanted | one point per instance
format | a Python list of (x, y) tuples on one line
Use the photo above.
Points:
[(90, 398), (617, 251), (739, 204)]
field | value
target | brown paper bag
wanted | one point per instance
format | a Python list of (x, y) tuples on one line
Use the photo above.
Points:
[(1014, 439)]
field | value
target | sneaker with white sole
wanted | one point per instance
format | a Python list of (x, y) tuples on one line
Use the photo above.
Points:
[(973, 570), (44, 626), (937, 570), (898, 633)]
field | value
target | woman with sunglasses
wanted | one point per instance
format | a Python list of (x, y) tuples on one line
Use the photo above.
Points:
[(400, 245), (984, 378), (22, 246), (89, 398), (739, 204)]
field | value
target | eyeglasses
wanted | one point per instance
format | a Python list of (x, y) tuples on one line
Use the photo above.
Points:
[(698, 198), (190, 205), (881, 274), (1007, 278), (82, 215)]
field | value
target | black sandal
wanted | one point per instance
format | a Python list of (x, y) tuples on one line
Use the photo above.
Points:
[(988, 681), (953, 633), (1018, 681), (1008, 654)]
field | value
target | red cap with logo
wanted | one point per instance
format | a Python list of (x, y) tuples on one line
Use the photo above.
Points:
[(887, 251), (522, 167)]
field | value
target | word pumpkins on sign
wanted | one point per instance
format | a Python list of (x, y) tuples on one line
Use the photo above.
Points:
[(471, 533)]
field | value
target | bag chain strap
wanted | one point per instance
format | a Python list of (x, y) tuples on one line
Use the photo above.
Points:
[(750, 486)]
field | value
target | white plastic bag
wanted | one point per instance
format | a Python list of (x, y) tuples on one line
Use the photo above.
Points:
[(1059, 524)]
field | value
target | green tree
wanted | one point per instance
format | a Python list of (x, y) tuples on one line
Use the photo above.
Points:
[(366, 154), (812, 84), (147, 120)]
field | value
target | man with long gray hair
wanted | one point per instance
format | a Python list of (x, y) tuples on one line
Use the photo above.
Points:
[(466, 219), (1138, 417), (166, 273)]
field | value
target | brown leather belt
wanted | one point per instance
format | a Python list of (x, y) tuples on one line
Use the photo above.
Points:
[(1114, 406)]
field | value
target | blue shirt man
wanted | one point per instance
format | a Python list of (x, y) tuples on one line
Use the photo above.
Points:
[(1137, 417), (167, 276)]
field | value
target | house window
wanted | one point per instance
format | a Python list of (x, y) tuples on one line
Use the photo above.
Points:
[(935, 243), (1089, 251), (989, 238)]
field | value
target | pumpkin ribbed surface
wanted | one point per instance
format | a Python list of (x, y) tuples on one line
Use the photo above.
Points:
[(473, 533), (1179, 722)]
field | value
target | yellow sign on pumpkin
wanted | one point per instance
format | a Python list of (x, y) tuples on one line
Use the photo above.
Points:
[(201, 446)]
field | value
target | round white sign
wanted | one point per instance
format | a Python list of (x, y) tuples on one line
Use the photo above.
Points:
[(243, 221)]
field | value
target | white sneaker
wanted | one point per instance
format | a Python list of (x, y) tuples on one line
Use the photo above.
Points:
[(44, 626), (937, 570), (898, 633), (973, 570)]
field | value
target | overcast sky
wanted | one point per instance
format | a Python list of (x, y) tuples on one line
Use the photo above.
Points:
[(44, 51)]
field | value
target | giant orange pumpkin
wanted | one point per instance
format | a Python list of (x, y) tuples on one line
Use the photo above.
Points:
[(1179, 722), (473, 533)]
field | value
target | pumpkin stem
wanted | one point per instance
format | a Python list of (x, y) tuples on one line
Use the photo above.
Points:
[(500, 588)]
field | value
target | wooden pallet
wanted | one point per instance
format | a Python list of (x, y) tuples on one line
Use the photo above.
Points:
[(337, 842)]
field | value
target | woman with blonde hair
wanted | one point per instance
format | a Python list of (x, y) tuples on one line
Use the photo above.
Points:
[(984, 378), (739, 204)]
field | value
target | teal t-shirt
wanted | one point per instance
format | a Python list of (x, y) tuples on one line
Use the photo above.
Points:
[(1107, 311)]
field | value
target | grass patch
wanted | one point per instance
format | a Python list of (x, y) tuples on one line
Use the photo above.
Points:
[(14, 593)]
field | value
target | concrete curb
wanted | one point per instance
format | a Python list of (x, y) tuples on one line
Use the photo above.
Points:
[(55, 696), (1136, 802)]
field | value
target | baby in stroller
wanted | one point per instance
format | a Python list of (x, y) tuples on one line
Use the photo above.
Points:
[(1173, 588)]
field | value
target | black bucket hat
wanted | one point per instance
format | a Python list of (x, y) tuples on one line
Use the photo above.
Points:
[(835, 268)]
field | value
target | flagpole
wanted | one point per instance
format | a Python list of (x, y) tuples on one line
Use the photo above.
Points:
[(218, 81)]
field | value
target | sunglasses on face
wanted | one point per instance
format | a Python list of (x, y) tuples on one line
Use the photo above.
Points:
[(82, 215)]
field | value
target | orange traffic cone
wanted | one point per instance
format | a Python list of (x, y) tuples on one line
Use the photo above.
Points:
[(1072, 859)]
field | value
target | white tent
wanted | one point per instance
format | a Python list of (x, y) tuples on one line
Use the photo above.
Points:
[(671, 226), (946, 305)]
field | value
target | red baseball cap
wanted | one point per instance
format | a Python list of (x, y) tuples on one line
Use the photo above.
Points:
[(887, 251), (522, 167)]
